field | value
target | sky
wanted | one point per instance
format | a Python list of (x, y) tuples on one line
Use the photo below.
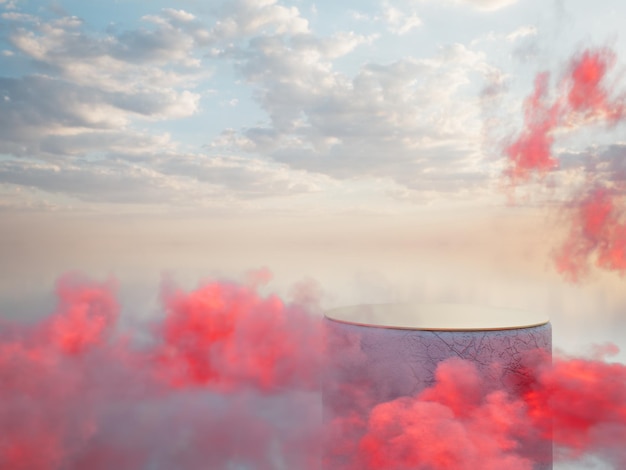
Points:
[(358, 148), (214, 109)]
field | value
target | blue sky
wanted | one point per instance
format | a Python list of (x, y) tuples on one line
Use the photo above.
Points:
[(249, 106)]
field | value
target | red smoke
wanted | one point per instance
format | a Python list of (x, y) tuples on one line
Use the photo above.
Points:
[(463, 423), (230, 377), (587, 91), (584, 402), (226, 335), (532, 150), (582, 98), (596, 232), (85, 315), (453, 425)]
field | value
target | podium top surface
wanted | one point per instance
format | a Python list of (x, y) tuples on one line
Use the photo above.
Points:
[(437, 317)]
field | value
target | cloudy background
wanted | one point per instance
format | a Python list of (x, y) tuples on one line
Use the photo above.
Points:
[(352, 145)]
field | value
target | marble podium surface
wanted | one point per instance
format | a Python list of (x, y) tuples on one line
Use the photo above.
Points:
[(378, 353)]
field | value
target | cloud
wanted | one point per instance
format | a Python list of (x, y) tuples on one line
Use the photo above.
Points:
[(192, 180), (480, 5), (22, 17), (75, 122), (15, 198), (90, 90), (243, 176), (105, 181), (415, 122), (9, 4), (132, 59), (41, 115), (400, 22), (487, 5), (411, 120), (521, 32), (247, 17)]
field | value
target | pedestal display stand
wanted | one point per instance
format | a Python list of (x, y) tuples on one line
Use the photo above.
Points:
[(379, 353)]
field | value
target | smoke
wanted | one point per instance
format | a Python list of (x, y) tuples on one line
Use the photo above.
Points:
[(532, 150), (414, 432), (595, 230), (465, 422), (228, 378), (583, 401), (582, 98), (226, 335)]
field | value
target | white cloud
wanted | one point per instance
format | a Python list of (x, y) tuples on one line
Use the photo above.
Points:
[(481, 5), (521, 32), (232, 141), (22, 17), (400, 22), (360, 16), (180, 15), (414, 121), (96, 88), (242, 177), (159, 178), (411, 120), (314, 48), (242, 18), (130, 59), (92, 181), (42, 115), (488, 5), (524, 35), (16, 198), (9, 4)]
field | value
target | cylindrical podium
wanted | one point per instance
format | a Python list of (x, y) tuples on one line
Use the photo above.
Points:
[(379, 354)]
